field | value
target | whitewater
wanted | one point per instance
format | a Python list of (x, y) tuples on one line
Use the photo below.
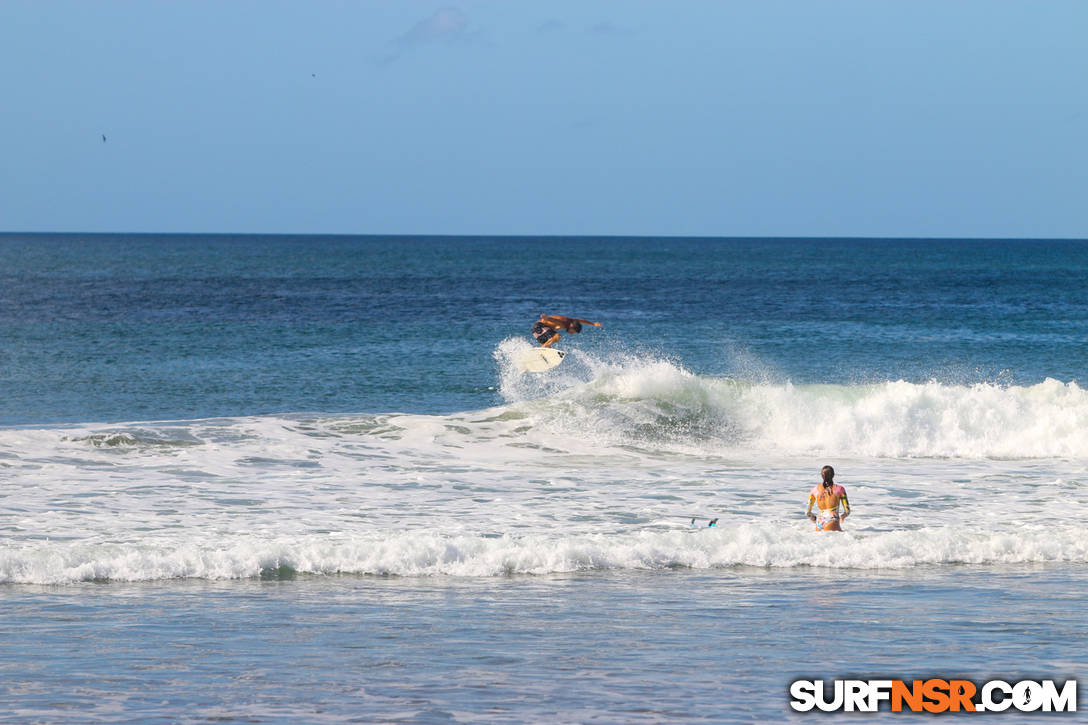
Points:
[(600, 464)]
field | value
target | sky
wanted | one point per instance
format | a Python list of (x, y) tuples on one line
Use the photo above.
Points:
[(859, 118)]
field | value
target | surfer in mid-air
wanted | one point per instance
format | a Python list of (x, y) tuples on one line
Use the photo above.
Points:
[(828, 495), (546, 329)]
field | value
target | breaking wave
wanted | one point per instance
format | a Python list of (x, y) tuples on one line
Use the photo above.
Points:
[(654, 402), (425, 553)]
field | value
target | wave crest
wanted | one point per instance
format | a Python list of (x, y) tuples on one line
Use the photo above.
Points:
[(424, 553), (653, 403)]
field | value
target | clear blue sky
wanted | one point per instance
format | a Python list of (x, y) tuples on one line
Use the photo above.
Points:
[(731, 118)]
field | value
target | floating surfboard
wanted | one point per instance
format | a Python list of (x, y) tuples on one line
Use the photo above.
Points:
[(538, 359)]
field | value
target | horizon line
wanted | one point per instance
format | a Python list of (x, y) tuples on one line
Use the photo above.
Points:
[(822, 237)]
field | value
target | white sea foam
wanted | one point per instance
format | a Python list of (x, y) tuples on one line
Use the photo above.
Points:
[(657, 402), (596, 467), (425, 553)]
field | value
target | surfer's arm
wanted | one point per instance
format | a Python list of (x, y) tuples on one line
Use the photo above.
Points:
[(845, 504), (554, 321), (808, 511), (563, 320)]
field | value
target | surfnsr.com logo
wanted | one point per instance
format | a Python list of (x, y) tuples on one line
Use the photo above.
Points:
[(933, 695)]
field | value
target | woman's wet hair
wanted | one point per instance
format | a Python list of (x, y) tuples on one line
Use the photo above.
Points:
[(576, 327), (827, 473)]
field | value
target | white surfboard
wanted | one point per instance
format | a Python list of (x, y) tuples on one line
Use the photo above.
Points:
[(538, 359)]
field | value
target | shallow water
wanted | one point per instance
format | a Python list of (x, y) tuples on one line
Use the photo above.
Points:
[(672, 645)]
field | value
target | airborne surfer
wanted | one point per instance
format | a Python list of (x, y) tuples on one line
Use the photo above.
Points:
[(546, 329), (828, 495)]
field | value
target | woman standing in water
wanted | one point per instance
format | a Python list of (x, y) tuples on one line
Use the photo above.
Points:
[(828, 496)]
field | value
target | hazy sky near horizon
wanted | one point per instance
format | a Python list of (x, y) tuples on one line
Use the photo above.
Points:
[(626, 117)]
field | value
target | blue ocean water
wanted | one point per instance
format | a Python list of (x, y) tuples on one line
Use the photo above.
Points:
[(150, 327), (302, 478), (671, 646)]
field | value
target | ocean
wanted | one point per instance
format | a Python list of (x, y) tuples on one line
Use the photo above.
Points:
[(301, 479)]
